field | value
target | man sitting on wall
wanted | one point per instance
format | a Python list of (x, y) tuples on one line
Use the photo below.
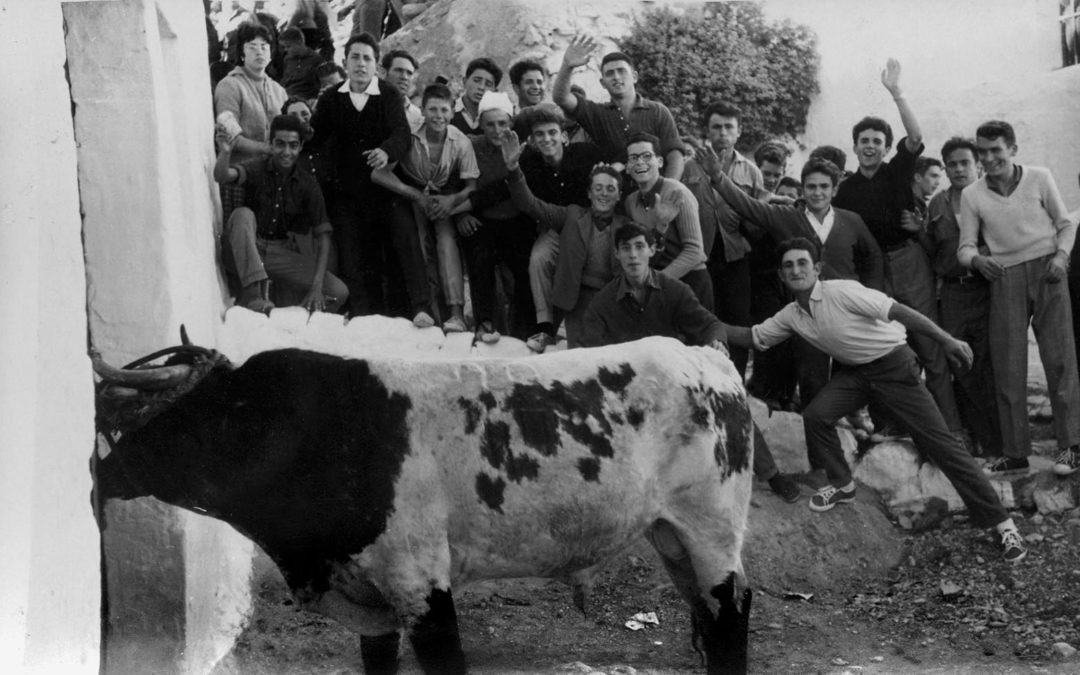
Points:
[(282, 204)]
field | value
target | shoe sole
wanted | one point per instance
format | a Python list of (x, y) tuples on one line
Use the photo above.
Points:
[(829, 507), (1017, 558), (1060, 470)]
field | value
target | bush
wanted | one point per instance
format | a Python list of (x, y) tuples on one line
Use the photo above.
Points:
[(727, 51)]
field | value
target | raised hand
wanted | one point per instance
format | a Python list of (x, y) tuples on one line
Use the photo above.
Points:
[(578, 52), (511, 149), (890, 77), (708, 159), (664, 211)]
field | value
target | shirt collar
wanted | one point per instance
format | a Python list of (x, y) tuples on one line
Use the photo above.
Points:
[(625, 289), (815, 296), (824, 221), (647, 199), (271, 167), (639, 102), (372, 88)]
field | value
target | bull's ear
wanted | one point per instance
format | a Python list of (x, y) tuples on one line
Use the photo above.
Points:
[(184, 340)]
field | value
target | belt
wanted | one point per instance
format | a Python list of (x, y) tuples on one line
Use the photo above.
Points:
[(890, 248), (965, 279)]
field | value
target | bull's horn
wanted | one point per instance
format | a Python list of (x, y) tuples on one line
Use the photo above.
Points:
[(184, 340), (164, 377)]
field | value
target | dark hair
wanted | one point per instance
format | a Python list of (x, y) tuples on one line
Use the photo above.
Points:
[(873, 124), (634, 230), (830, 153), (436, 91), (484, 63), (923, 164), (788, 181), (996, 129), (518, 70), (959, 143), (644, 137), (542, 113), (721, 108), (798, 244), (363, 39), (248, 31), (293, 100), (328, 67), (614, 56), (818, 165), (292, 34), (286, 123), (388, 58), (770, 151), (607, 170)]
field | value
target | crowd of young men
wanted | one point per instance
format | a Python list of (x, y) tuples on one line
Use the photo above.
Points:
[(632, 230)]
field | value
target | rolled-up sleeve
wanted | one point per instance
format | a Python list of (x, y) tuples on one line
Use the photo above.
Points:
[(772, 331)]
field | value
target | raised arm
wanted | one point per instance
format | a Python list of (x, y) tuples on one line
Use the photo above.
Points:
[(227, 99), (548, 215), (890, 78), (223, 173), (577, 54), (775, 220)]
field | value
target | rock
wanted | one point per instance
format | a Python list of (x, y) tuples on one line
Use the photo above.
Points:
[(792, 547), (575, 667), (1064, 650), (1052, 495), (950, 590), (1034, 538), (1073, 527)]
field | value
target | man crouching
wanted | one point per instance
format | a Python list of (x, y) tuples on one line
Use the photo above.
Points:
[(281, 204)]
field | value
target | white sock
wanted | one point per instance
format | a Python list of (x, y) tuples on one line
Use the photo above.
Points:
[(1005, 525)]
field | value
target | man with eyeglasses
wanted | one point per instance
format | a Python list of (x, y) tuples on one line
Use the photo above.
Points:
[(282, 205), (671, 209)]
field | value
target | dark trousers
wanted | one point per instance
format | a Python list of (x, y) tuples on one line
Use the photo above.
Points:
[(774, 376), (910, 279), (894, 383), (508, 242), (372, 243), (731, 297), (965, 314)]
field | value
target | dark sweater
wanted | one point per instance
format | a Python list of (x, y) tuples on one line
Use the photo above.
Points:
[(342, 134), (850, 252)]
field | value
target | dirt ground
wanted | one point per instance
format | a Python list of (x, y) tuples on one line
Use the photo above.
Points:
[(998, 618)]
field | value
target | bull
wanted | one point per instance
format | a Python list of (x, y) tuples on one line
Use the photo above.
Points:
[(379, 485)]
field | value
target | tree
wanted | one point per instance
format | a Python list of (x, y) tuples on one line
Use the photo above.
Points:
[(729, 51)]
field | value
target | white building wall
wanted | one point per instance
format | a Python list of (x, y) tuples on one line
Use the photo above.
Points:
[(964, 62), (50, 567)]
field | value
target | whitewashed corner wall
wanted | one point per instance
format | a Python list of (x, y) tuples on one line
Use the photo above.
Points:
[(136, 160)]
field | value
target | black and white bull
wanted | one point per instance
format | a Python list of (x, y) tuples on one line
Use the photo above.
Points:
[(377, 486)]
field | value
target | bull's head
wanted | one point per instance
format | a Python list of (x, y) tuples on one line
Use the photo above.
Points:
[(129, 398)]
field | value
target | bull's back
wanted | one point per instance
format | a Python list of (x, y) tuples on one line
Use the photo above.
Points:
[(545, 465)]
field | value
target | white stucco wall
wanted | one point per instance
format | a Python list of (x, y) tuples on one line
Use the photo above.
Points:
[(964, 61), (49, 597)]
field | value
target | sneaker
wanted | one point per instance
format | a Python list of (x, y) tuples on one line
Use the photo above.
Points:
[(486, 333), (1012, 546), (1068, 462), (453, 325), (786, 488), (423, 320), (828, 497), (541, 341), (1003, 466)]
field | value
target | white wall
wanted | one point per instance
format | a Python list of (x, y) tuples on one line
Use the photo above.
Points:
[(964, 61), (49, 571)]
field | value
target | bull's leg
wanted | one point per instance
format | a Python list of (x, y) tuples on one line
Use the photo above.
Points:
[(719, 611), (435, 637), (380, 653)]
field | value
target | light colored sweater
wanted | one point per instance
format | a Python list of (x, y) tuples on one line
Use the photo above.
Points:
[(682, 250), (1028, 224)]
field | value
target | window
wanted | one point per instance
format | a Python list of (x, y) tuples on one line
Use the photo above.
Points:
[(1070, 31)]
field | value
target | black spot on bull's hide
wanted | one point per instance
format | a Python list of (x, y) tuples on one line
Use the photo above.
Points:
[(472, 414), (540, 411), (589, 468), (488, 399), (617, 381), (490, 491), (495, 447), (732, 448), (636, 417)]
